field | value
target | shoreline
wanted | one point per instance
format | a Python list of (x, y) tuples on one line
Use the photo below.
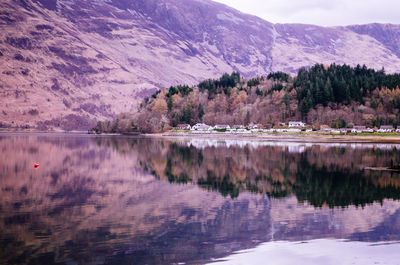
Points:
[(66, 133), (270, 137), (282, 137)]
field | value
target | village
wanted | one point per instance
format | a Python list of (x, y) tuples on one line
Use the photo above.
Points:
[(291, 127)]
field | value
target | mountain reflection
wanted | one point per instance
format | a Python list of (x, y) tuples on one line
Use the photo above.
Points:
[(90, 202), (320, 175), (118, 200)]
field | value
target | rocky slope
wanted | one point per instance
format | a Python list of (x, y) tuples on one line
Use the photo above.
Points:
[(65, 63)]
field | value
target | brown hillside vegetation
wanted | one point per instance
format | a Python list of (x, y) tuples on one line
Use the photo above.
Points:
[(337, 96)]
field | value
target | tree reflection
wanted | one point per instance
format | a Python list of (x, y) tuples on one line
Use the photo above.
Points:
[(324, 186), (321, 176)]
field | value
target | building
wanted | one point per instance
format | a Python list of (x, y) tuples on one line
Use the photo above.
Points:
[(201, 127), (222, 127), (296, 124), (386, 129), (185, 127), (255, 126), (358, 129), (361, 129), (345, 130)]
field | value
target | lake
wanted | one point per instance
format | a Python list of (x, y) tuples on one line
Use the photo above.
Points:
[(135, 200)]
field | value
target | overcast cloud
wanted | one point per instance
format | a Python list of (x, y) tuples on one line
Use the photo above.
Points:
[(321, 12)]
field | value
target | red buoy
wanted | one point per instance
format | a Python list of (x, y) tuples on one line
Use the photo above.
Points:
[(35, 165)]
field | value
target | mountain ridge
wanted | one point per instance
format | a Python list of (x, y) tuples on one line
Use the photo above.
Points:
[(67, 63)]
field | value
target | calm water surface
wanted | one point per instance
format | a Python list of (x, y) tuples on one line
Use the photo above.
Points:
[(120, 200)]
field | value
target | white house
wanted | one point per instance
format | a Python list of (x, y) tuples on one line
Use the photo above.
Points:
[(297, 124), (256, 128), (222, 127), (183, 127), (358, 129), (386, 129), (337, 131), (201, 127), (362, 129)]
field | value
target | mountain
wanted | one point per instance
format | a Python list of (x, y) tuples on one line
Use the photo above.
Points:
[(65, 63)]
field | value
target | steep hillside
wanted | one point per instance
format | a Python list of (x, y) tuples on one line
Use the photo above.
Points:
[(387, 34), (66, 63), (299, 45)]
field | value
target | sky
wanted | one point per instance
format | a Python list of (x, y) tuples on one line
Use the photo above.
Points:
[(321, 12)]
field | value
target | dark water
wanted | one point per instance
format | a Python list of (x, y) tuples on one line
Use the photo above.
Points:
[(119, 200)]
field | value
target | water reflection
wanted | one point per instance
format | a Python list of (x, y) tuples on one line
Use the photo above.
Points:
[(117, 200), (319, 174)]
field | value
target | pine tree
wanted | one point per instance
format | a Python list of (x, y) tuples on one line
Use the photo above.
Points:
[(187, 113), (170, 103), (303, 107), (200, 112), (247, 120), (286, 100), (318, 96)]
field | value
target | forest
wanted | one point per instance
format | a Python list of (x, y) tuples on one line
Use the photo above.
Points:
[(335, 95)]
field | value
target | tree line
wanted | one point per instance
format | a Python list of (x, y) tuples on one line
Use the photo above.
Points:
[(339, 84), (335, 95)]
